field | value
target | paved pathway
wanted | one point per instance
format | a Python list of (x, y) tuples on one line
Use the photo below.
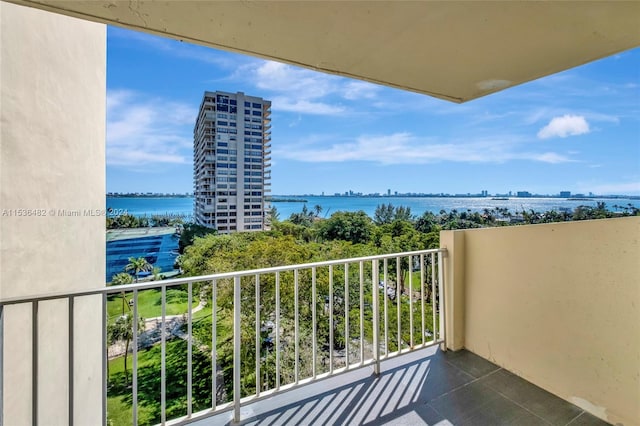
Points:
[(153, 329)]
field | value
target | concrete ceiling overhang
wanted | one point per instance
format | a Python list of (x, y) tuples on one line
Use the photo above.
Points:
[(454, 50)]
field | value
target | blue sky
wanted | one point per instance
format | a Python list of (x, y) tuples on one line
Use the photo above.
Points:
[(578, 130)]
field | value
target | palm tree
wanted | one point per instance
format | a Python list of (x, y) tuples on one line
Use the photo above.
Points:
[(138, 265), (273, 215), (122, 330), (122, 279), (156, 273), (318, 209)]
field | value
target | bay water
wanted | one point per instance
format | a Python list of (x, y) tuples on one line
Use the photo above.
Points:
[(182, 207)]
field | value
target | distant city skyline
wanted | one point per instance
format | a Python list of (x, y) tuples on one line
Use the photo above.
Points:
[(577, 131), (351, 193)]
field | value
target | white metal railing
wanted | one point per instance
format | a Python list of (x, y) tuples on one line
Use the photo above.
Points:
[(338, 294)]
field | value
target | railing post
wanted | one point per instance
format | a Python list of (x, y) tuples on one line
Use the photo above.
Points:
[(70, 360), (441, 303), (277, 331), (296, 326), (214, 344), (189, 350), (105, 360), (376, 317), (34, 363), (361, 265), (134, 356), (314, 321), (258, 334), (1, 363), (331, 343), (236, 349), (163, 358)]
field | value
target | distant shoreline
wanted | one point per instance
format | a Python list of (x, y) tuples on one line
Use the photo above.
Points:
[(299, 199), (148, 196), (475, 196), (288, 200)]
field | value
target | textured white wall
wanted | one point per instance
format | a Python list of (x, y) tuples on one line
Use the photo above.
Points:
[(559, 304), (52, 158)]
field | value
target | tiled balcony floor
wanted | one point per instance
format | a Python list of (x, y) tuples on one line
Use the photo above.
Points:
[(426, 387)]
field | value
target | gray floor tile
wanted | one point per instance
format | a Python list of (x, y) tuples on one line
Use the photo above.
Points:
[(540, 402), (426, 387), (586, 419), (502, 412), (465, 402), (419, 415), (442, 378), (470, 363)]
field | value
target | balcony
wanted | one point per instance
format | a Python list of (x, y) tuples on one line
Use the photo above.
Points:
[(425, 387), (293, 316), (557, 304), (522, 297)]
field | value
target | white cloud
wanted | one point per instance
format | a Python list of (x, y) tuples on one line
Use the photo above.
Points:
[(305, 106), (548, 157), (597, 116), (295, 122), (356, 90), (296, 90), (144, 131), (566, 125), (302, 83), (116, 98), (404, 148), (304, 91), (130, 157)]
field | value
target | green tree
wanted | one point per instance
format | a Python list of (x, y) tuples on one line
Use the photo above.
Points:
[(355, 227), (403, 213), (427, 223), (189, 234), (317, 209), (122, 279), (156, 272), (401, 236), (383, 214), (304, 218), (138, 265), (157, 220), (273, 215), (122, 330)]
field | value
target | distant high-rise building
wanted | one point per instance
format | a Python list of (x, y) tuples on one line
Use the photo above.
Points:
[(231, 162), (565, 194), (523, 194)]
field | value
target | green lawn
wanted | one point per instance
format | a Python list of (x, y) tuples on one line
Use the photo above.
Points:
[(119, 412), (149, 303), (119, 396), (149, 369)]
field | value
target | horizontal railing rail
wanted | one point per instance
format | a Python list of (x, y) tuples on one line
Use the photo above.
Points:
[(289, 325)]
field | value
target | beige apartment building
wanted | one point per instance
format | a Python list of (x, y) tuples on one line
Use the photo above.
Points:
[(231, 162)]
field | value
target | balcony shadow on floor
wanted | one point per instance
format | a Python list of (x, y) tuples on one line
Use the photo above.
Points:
[(425, 387)]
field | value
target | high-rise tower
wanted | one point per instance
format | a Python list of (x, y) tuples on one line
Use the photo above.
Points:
[(231, 162)]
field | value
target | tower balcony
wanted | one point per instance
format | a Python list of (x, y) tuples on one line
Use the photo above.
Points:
[(420, 343)]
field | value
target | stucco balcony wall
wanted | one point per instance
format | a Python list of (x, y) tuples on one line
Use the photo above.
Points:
[(52, 186), (557, 304)]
